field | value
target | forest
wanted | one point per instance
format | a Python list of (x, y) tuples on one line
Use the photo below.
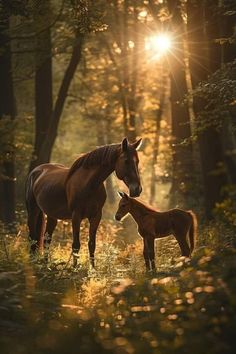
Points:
[(142, 95)]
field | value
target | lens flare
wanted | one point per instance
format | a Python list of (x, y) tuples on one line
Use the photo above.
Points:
[(159, 44)]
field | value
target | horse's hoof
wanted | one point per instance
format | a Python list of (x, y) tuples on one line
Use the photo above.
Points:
[(75, 264), (151, 272), (76, 267), (91, 268), (75, 259)]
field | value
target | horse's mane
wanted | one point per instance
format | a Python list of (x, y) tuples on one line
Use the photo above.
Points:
[(103, 155)]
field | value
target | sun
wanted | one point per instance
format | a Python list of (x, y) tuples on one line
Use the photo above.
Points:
[(159, 44)]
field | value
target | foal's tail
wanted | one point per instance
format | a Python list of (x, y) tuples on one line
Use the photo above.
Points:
[(192, 231), (36, 218)]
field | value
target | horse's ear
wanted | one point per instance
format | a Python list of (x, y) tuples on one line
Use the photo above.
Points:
[(124, 144), (137, 144)]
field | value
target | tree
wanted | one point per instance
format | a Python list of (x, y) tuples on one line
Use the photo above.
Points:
[(7, 116), (47, 119), (227, 15), (159, 115), (50, 137), (205, 59), (182, 174), (43, 77), (123, 41)]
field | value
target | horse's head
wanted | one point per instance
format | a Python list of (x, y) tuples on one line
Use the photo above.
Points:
[(127, 167), (123, 207)]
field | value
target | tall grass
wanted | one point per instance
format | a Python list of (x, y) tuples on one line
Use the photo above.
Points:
[(187, 306)]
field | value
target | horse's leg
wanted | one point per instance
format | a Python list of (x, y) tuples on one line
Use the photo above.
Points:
[(35, 224), (31, 222), (183, 244), (76, 221), (33, 214), (151, 252), (94, 222), (145, 254), (34, 221), (50, 227)]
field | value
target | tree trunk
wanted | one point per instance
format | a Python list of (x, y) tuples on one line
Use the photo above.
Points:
[(133, 73), (202, 31), (109, 181), (227, 23), (229, 147), (46, 148), (7, 116), (103, 138), (181, 131), (43, 81), (227, 28), (127, 65), (155, 149)]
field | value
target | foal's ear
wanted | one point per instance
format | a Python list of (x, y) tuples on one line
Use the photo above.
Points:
[(123, 195), (120, 194), (137, 144), (124, 144)]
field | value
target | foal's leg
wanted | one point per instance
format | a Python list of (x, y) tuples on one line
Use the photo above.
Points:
[(76, 221), (183, 244), (94, 222), (145, 254), (50, 227), (151, 252)]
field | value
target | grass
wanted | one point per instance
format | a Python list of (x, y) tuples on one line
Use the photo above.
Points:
[(186, 307)]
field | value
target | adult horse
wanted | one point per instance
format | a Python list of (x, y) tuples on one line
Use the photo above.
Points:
[(78, 192)]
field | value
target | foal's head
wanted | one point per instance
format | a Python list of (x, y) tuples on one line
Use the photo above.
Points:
[(124, 206), (127, 167)]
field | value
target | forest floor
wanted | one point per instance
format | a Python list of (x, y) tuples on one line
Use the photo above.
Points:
[(187, 306)]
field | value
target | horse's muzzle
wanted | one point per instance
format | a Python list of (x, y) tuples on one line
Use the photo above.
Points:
[(117, 217), (135, 191)]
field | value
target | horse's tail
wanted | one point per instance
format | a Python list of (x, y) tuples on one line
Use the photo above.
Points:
[(36, 220), (193, 231)]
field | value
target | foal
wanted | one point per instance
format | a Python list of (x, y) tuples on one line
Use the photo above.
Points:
[(153, 224)]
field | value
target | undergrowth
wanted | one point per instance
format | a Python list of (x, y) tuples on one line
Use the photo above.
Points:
[(187, 306)]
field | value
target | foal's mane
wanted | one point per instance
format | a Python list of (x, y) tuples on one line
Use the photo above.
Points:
[(144, 207), (103, 156)]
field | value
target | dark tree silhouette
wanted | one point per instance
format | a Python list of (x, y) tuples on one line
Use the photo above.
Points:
[(204, 60), (7, 116), (43, 78), (180, 117)]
